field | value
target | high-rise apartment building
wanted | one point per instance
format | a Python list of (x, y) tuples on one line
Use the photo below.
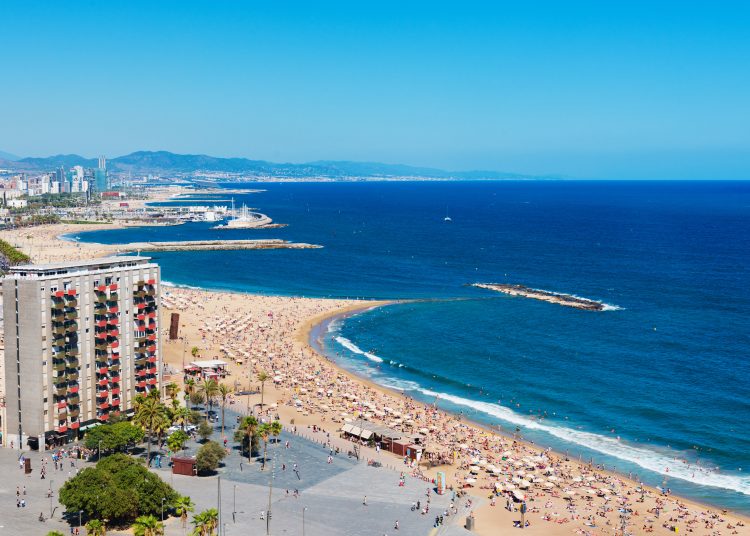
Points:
[(81, 342)]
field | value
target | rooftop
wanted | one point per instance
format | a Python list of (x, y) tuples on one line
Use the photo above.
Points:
[(90, 264)]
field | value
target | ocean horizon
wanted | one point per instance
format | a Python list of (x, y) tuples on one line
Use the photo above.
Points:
[(653, 386)]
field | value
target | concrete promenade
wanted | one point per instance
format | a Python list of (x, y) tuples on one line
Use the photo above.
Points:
[(330, 494)]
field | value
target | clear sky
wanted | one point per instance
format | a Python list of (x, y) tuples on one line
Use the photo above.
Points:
[(584, 89)]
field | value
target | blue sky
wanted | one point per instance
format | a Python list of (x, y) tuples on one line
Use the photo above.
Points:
[(582, 89)]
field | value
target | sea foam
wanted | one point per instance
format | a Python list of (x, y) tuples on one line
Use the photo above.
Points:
[(349, 345), (646, 458)]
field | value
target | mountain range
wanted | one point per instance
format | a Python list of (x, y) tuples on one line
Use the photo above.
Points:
[(164, 162)]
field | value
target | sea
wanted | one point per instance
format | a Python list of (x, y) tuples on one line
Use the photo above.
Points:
[(657, 385)]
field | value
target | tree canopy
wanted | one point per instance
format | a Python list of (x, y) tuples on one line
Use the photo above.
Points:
[(113, 437), (209, 456), (118, 488)]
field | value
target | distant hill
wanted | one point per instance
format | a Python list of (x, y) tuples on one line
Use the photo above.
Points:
[(8, 156), (165, 162)]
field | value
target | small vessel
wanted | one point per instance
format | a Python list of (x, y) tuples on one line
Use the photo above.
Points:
[(447, 218)]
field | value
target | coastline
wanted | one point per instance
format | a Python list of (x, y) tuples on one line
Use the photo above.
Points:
[(300, 336), (304, 336)]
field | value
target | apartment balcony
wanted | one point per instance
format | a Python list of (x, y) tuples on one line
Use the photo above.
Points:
[(73, 390), (73, 363), (101, 298), (72, 375), (113, 309), (61, 428), (71, 327), (113, 333), (100, 308), (115, 344), (115, 391), (58, 329), (151, 337), (141, 384), (113, 297), (72, 351), (151, 348), (116, 402), (73, 400), (113, 286), (103, 416), (152, 370), (101, 324), (102, 370), (71, 292), (58, 366), (71, 315), (59, 294), (72, 302), (57, 315), (140, 306), (62, 404), (151, 359), (152, 381), (103, 382), (141, 373), (113, 321), (140, 293), (101, 288), (115, 379), (75, 425), (101, 346), (151, 281)]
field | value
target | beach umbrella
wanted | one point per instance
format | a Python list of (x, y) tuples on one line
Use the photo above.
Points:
[(474, 469), (548, 485), (523, 484), (471, 480)]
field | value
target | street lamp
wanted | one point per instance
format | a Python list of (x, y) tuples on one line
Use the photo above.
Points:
[(234, 503), (51, 482), (99, 452), (79, 517), (303, 520), (162, 508)]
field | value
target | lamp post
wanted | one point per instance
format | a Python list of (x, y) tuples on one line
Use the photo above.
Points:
[(234, 504), (162, 508), (51, 482), (99, 452), (79, 517), (303, 520)]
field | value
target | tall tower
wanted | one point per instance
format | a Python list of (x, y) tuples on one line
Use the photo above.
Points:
[(102, 162)]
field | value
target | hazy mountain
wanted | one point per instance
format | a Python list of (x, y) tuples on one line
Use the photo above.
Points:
[(8, 156), (165, 162)]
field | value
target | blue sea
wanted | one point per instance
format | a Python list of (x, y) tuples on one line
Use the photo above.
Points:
[(658, 385)]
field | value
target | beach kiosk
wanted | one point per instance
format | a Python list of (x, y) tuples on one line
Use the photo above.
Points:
[(184, 466), (208, 368)]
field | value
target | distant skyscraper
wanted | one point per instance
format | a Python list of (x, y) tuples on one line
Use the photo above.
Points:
[(100, 178), (102, 162)]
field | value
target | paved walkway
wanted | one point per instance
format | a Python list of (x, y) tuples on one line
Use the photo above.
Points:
[(332, 494)]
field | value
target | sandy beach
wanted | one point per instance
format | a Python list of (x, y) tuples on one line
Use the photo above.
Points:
[(271, 334)]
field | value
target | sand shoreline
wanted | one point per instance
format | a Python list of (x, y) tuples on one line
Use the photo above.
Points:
[(296, 320), (304, 336)]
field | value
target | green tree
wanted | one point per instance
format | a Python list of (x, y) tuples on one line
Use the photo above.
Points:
[(197, 398), (119, 488), (176, 441), (263, 377), (172, 390), (194, 351), (210, 390), (189, 387), (95, 528), (247, 434), (148, 526), (206, 522), (113, 437), (208, 457), (205, 430), (182, 506), (55, 533), (224, 392), (266, 431), (150, 414), (181, 416)]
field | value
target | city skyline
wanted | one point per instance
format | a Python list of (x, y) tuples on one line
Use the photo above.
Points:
[(582, 90)]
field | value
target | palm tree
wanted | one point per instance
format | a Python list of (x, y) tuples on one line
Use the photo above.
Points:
[(149, 415), (148, 526), (209, 390), (182, 506), (267, 430), (248, 428), (172, 389), (181, 417), (189, 387), (95, 528), (224, 392), (263, 377), (206, 522), (161, 425)]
